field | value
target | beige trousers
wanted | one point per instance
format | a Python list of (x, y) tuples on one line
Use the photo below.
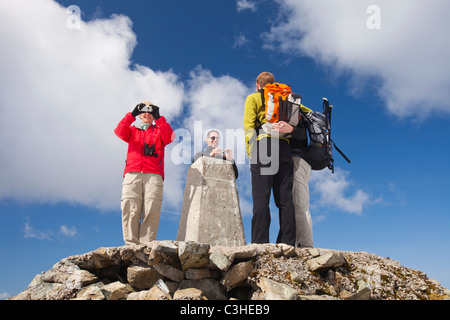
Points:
[(300, 197), (141, 206)]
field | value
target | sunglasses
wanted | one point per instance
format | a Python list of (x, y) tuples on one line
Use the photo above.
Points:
[(214, 138)]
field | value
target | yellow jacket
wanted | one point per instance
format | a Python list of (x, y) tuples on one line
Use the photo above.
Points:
[(254, 110)]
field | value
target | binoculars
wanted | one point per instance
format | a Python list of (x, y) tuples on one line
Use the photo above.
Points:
[(146, 108), (150, 150)]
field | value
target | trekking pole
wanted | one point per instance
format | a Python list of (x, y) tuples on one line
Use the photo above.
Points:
[(339, 150), (327, 112), (327, 108)]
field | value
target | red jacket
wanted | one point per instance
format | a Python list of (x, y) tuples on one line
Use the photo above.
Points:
[(159, 135)]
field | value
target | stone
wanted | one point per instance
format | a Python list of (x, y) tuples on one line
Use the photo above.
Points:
[(92, 292), (210, 288), (287, 250), (237, 274), (137, 295), (315, 252), (210, 211), (142, 277), (267, 248), (158, 292), (103, 256), (345, 295), (325, 261), (193, 254), (165, 251), (168, 247), (69, 274), (243, 252), (36, 280), (188, 294), (40, 291), (86, 278), (162, 285), (219, 260), (170, 272), (116, 290), (363, 292), (195, 274), (172, 286), (277, 291), (155, 293)]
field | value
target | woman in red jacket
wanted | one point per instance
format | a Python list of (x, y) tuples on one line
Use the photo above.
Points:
[(142, 186)]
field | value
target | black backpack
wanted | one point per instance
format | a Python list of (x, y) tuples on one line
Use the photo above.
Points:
[(319, 151)]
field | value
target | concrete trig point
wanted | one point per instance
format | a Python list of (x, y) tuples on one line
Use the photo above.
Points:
[(211, 212)]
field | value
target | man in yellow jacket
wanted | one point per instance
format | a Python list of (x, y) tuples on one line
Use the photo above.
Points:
[(271, 168)]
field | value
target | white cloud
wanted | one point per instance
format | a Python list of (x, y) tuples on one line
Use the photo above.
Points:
[(408, 55), (62, 93), (239, 40), (68, 231), (336, 191), (395, 196), (64, 90), (31, 232), (246, 5)]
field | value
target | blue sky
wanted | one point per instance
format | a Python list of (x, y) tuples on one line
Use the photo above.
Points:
[(65, 84)]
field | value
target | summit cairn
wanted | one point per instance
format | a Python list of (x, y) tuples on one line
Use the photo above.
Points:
[(171, 270), (210, 212)]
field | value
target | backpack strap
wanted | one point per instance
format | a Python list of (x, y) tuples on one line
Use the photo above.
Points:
[(339, 150), (258, 124)]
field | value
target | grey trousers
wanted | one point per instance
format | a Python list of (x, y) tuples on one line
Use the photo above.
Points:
[(300, 197)]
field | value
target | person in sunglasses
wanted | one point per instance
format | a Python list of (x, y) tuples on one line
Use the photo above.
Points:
[(142, 186), (212, 150)]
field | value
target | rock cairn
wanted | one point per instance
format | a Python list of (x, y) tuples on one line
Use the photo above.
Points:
[(179, 270)]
